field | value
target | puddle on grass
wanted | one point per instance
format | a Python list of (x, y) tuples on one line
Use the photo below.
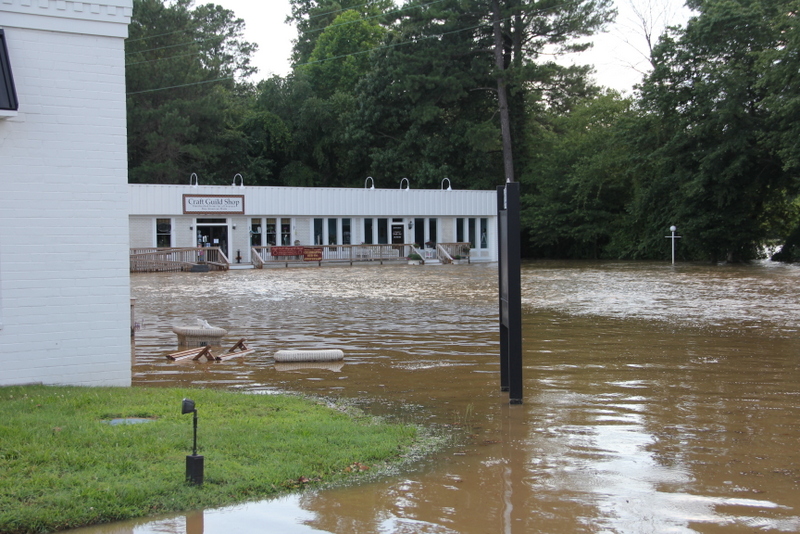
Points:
[(129, 421)]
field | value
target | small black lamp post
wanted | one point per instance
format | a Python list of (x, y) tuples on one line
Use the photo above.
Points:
[(194, 463)]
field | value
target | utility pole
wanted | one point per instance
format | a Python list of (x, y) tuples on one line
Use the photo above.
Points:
[(502, 92), (508, 233)]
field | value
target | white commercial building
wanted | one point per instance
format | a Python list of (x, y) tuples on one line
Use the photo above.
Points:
[(64, 271), (237, 218), (68, 217)]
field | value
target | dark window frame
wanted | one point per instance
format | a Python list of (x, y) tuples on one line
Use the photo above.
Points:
[(8, 93)]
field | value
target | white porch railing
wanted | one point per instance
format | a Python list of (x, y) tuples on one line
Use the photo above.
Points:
[(320, 254), (449, 252), (283, 255)]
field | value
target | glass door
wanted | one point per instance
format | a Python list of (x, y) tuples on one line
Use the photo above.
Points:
[(213, 233)]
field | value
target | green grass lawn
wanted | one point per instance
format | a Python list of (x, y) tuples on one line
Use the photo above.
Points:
[(62, 465)]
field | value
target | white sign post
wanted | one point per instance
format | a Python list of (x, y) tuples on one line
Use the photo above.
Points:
[(673, 229)]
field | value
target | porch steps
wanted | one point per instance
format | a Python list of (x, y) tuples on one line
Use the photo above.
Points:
[(240, 266)]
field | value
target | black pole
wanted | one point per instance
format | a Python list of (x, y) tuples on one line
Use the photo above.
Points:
[(194, 463), (509, 266), (514, 270), (194, 441), (501, 240)]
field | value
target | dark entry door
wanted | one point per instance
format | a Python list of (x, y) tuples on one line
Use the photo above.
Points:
[(213, 236), (419, 232), (398, 234)]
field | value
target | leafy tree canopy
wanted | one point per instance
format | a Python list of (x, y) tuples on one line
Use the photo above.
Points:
[(392, 90), (182, 96), (731, 189)]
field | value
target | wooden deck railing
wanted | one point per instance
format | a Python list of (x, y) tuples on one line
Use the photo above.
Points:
[(176, 259)]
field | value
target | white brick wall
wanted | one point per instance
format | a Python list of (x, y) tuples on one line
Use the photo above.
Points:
[(183, 231), (64, 282), (303, 230), (447, 230), (142, 232), (240, 239)]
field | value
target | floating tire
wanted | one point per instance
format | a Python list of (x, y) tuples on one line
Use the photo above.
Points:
[(329, 355), (335, 367)]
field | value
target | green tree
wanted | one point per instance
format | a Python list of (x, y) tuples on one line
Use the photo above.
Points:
[(730, 190), (268, 142), (183, 102), (576, 206), (781, 81), (429, 107), (525, 31), (313, 17), (780, 65), (340, 57)]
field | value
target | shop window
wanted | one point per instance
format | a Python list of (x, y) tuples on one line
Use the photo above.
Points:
[(272, 232), (460, 230), (163, 233), (332, 236), (255, 232), (471, 232), (484, 233), (368, 232), (8, 94), (383, 231), (318, 231), (286, 231), (346, 240)]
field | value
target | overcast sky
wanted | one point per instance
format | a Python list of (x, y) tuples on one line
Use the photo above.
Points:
[(616, 55)]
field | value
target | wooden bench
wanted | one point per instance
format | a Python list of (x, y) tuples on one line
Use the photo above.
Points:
[(195, 354), (238, 349)]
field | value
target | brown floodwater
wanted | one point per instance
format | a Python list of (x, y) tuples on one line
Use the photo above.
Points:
[(657, 398)]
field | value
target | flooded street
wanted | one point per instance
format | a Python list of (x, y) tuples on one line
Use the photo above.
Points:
[(657, 398)]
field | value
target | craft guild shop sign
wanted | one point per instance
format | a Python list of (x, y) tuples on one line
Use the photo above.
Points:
[(213, 204)]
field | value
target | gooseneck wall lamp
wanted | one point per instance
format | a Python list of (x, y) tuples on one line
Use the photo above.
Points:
[(194, 462)]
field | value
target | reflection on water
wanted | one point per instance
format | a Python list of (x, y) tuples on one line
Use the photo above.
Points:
[(657, 399)]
